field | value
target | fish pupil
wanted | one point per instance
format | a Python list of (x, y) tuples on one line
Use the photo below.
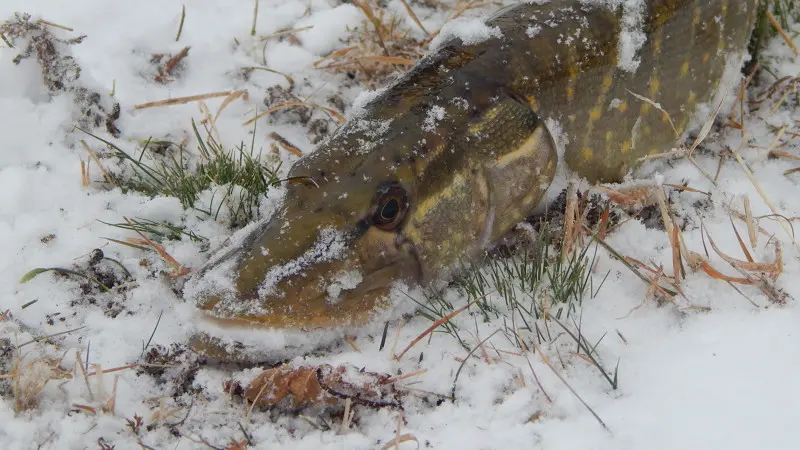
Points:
[(390, 209)]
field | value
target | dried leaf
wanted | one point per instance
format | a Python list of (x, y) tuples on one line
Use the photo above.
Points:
[(312, 385)]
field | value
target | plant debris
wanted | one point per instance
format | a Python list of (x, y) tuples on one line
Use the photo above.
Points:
[(60, 71), (317, 385)]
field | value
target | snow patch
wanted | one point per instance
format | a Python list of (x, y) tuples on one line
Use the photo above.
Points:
[(470, 31)]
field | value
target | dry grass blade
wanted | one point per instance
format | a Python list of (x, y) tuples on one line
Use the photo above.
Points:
[(717, 275), (703, 134), (628, 197), (782, 32), (288, 146), (673, 235), (414, 17), (546, 361), (763, 194), (751, 225), (85, 179), (96, 160), (686, 189), (441, 321), (337, 115), (180, 25), (28, 379), (781, 154), (55, 25), (658, 107), (770, 269), (178, 269), (399, 440), (116, 369), (367, 10), (741, 243), (651, 283), (183, 100), (169, 66), (405, 376), (243, 94), (569, 220), (389, 60), (383, 32), (255, 18)]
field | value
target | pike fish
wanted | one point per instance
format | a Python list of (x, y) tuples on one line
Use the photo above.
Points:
[(442, 163)]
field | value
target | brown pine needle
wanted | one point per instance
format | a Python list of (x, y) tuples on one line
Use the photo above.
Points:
[(183, 100)]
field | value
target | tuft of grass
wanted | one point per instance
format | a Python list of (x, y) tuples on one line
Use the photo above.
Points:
[(239, 178), (531, 285)]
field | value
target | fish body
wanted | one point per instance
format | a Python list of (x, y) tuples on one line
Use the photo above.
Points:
[(448, 158)]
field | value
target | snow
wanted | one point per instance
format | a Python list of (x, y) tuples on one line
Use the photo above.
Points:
[(715, 372), (470, 30)]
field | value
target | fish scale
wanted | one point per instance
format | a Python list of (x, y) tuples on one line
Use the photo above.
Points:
[(447, 159)]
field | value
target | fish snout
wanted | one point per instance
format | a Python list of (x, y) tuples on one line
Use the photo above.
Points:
[(284, 276)]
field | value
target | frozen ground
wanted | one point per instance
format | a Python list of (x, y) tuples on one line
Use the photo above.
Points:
[(713, 371)]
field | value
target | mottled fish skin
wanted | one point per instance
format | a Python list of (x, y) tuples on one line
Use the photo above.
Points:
[(459, 148)]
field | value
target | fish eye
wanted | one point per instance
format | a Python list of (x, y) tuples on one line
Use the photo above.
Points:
[(390, 208)]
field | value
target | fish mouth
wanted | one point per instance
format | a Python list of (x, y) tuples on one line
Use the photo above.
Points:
[(328, 294)]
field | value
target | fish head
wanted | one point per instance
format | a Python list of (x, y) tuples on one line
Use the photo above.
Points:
[(329, 254)]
